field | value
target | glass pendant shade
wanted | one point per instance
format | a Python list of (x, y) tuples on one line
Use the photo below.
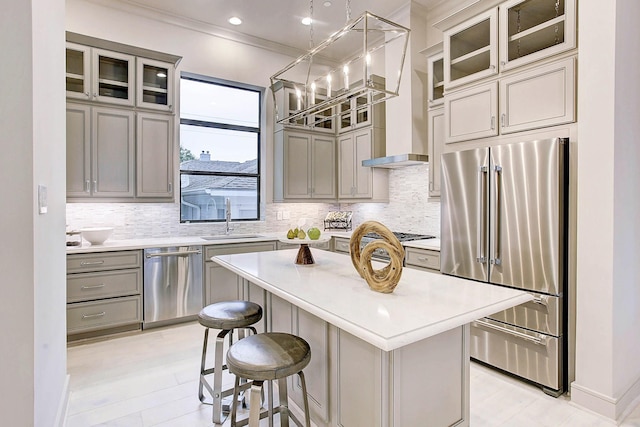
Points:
[(363, 58)]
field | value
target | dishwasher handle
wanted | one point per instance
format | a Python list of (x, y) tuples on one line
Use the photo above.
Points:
[(177, 253)]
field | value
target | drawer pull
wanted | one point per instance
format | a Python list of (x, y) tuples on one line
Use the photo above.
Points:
[(87, 263), (91, 316), (423, 258), (86, 288), (542, 340)]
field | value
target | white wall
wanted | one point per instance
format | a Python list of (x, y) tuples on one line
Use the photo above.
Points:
[(608, 296), (32, 260)]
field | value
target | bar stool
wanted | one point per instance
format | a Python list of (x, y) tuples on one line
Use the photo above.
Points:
[(227, 316), (267, 357)]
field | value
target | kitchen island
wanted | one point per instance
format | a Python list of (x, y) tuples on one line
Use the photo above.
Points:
[(399, 359)]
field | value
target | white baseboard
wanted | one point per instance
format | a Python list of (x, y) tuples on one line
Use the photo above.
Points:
[(612, 408), (61, 415)]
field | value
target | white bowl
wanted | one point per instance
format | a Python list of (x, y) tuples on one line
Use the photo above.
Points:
[(96, 235)]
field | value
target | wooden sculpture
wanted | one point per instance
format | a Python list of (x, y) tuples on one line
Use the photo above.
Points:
[(386, 279)]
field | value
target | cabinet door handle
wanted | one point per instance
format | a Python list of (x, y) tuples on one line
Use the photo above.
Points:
[(95, 186), (87, 94), (87, 187), (88, 263), (89, 316), (87, 288), (493, 67), (503, 120), (493, 122), (170, 187)]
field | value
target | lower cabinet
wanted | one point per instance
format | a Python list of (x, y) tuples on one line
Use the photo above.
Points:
[(104, 293), (422, 259), (341, 244), (222, 284)]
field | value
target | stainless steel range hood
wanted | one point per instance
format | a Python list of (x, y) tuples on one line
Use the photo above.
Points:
[(397, 161)]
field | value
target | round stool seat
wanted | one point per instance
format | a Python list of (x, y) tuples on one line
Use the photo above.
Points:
[(230, 315), (268, 356)]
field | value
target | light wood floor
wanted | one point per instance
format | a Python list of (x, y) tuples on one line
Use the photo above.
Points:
[(150, 378)]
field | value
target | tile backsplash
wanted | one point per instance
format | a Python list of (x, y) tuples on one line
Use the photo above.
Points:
[(408, 211)]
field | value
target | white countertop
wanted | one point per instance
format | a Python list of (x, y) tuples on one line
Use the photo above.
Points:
[(422, 305), (159, 242)]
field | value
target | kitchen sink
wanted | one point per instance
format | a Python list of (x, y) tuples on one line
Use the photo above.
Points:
[(231, 236)]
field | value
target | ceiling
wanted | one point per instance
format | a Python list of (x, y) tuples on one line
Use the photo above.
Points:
[(277, 21)]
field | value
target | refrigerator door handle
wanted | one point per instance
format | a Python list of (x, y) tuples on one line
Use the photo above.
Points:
[(481, 237), (498, 219)]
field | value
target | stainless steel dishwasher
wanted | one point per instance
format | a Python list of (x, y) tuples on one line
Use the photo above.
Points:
[(173, 289)]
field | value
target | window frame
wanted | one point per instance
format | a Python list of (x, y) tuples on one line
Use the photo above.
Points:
[(225, 126)]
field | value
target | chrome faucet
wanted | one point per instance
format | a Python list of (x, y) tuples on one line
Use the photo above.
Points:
[(228, 228)]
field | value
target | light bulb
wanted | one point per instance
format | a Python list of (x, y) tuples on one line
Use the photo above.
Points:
[(234, 20), (306, 21)]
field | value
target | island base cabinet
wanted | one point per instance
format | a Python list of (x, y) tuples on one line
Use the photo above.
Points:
[(444, 365), (424, 383)]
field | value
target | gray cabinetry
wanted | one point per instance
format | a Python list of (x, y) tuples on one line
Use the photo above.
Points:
[(154, 160), (304, 165), (424, 259), (354, 180), (436, 145), (103, 293), (100, 152), (341, 244), (220, 283)]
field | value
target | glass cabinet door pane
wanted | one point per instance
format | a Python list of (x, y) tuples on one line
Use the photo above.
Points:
[(75, 70), (113, 77), (438, 79), (362, 111), (155, 84), (534, 25)]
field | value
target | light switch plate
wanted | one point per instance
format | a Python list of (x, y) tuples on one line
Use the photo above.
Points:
[(42, 199)]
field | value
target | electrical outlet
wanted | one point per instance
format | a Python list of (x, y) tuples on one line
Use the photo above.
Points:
[(286, 214), (279, 215)]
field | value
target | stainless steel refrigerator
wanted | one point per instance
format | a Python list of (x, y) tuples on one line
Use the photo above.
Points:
[(504, 211)]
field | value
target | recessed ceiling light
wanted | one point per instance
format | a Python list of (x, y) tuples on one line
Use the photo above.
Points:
[(306, 21), (327, 3), (234, 20)]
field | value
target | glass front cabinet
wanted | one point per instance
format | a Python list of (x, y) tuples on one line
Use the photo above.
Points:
[(533, 29), (100, 75), (471, 51), (153, 85)]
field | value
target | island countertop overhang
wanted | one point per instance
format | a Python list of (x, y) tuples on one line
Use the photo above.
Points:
[(422, 305)]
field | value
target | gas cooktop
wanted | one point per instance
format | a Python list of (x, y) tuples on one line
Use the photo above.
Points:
[(403, 237)]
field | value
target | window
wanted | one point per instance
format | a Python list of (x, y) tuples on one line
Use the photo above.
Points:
[(219, 149)]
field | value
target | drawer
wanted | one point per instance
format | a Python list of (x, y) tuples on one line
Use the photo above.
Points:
[(525, 353), (241, 248), (88, 316), (422, 258), (543, 314), (106, 284), (341, 244), (101, 261)]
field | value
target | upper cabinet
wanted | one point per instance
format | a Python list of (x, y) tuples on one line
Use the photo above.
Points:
[(154, 84), (112, 77), (435, 67), (471, 49), (120, 122), (516, 33), (289, 100), (100, 75), (533, 29)]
